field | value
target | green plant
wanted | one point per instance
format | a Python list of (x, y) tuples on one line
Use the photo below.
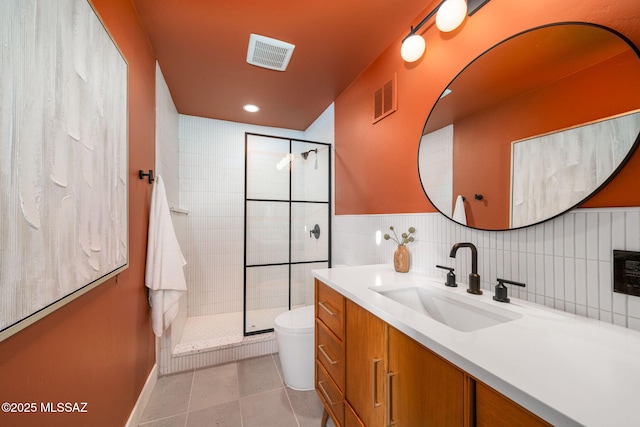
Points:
[(406, 237)]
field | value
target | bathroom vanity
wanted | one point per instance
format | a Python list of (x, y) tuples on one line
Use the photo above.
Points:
[(402, 349)]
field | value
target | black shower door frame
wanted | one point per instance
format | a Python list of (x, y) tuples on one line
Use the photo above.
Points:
[(290, 203)]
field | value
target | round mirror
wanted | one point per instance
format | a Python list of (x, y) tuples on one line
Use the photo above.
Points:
[(533, 127)]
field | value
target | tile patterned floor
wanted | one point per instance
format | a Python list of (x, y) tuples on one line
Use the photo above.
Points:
[(247, 393)]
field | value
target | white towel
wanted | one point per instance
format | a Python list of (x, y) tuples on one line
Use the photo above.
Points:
[(164, 275), (459, 215)]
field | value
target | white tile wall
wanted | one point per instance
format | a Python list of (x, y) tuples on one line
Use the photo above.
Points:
[(167, 149), (566, 262), (212, 188), (167, 166), (435, 160)]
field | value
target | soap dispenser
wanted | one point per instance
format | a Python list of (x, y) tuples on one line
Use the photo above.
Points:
[(451, 278), (501, 289)]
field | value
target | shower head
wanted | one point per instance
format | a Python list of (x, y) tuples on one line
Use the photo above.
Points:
[(306, 153)]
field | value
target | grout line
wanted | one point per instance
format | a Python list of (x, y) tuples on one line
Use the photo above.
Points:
[(193, 380), (295, 417), (239, 398), (286, 389), (160, 419), (273, 358)]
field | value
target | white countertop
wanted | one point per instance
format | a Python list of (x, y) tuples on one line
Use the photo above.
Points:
[(567, 369)]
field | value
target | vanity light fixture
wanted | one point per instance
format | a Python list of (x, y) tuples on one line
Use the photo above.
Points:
[(449, 15)]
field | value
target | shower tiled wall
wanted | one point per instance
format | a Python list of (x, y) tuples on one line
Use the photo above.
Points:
[(566, 262), (167, 150), (167, 166), (212, 188)]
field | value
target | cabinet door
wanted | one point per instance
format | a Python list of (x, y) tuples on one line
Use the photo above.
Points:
[(496, 410), (425, 390), (365, 347)]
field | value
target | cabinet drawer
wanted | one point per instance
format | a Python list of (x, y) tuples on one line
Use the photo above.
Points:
[(330, 308), (330, 354), (330, 395)]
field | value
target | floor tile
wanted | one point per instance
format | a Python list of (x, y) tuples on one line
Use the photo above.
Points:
[(247, 393), (306, 406), (267, 409), (257, 375), (170, 397), (225, 415), (214, 386), (177, 421), (276, 358)]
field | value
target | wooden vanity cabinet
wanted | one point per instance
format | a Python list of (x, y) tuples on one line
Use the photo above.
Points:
[(369, 374), (425, 390), (329, 350), (494, 409), (366, 356)]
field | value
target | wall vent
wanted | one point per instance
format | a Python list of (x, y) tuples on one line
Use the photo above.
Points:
[(269, 53), (385, 100)]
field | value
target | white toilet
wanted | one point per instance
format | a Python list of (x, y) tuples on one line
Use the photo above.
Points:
[(294, 336)]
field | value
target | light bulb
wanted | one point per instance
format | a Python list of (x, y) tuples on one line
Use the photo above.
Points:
[(412, 48), (451, 14)]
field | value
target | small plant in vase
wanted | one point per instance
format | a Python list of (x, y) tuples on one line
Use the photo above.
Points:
[(401, 257)]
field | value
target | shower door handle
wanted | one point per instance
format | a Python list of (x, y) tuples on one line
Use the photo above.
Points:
[(315, 231)]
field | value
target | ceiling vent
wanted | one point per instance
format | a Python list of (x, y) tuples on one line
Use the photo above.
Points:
[(269, 53), (385, 100)]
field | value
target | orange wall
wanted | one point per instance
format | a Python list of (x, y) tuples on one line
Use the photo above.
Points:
[(376, 164), (99, 348)]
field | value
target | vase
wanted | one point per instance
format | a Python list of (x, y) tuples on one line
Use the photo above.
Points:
[(401, 259)]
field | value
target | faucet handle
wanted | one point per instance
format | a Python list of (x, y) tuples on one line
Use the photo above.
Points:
[(451, 278), (501, 289)]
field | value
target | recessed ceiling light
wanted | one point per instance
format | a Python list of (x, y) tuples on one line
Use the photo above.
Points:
[(251, 108)]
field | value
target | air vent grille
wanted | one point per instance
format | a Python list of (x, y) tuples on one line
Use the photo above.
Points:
[(269, 53), (385, 100)]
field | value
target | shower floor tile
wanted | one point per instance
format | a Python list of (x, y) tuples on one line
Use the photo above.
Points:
[(203, 333)]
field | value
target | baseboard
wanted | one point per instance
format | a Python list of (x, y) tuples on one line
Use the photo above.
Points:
[(143, 398)]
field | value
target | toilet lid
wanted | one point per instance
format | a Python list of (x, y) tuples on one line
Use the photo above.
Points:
[(298, 320)]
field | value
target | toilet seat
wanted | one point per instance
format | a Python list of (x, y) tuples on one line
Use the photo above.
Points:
[(297, 321)]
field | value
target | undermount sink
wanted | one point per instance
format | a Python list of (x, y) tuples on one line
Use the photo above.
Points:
[(450, 310)]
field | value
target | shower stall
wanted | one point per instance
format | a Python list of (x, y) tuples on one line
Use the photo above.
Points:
[(287, 225)]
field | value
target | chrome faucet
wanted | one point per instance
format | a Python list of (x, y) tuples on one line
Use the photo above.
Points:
[(474, 277)]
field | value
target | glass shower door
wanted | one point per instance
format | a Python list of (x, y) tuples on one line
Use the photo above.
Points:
[(287, 204)]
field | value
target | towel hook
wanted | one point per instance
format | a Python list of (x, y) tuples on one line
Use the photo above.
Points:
[(141, 174)]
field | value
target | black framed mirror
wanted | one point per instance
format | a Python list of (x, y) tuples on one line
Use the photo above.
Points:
[(533, 127)]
